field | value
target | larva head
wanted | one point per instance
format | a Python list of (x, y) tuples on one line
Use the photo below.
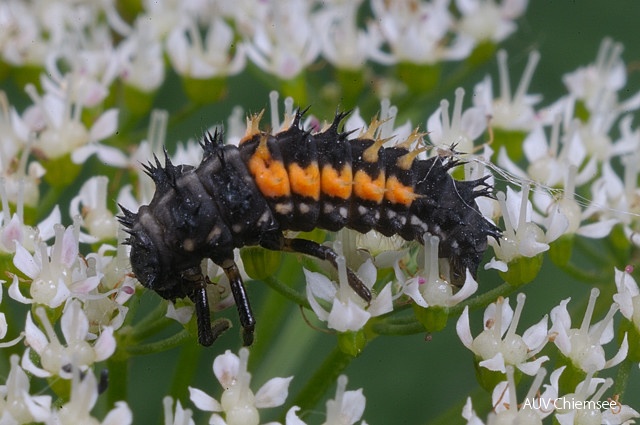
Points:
[(149, 262)]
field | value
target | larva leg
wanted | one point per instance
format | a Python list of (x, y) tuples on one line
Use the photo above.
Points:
[(247, 321), (207, 334), (314, 249)]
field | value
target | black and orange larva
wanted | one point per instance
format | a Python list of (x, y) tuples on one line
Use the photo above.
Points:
[(295, 180)]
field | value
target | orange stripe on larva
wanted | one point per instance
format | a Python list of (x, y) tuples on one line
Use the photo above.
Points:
[(305, 181), (397, 193), (368, 189), (269, 174), (337, 184)]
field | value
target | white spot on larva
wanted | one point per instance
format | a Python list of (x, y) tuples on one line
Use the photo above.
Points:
[(189, 245), (236, 228), (284, 209), (416, 221), (343, 212), (214, 233), (391, 214), (328, 208), (362, 210), (264, 217), (376, 216), (303, 208)]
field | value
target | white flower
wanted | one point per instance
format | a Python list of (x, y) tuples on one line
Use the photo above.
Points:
[(181, 416), (598, 83), (217, 55), (581, 406), (56, 358), (84, 394), (280, 45), (628, 296), (238, 405), (106, 308), (17, 406), (55, 274), (535, 407), (498, 345), (583, 345), (509, 112), (64, 133), (521, 237), (461, 130), (485, 20), (417, 32), (348, 312), (343, 44), (99, 220), (345, 409), (140, 56), (427, 288), (12, 228)]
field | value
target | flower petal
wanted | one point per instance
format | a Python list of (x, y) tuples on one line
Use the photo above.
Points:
[(273, 393), (226, 368), (463, 329), (105, 125), (347, 316), (204, 401), (105, 345), (292, 418)]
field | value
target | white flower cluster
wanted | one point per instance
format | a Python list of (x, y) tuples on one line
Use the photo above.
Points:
[(205, 40)]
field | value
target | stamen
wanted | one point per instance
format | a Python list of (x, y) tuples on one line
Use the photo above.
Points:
[(586, 321), (48, 328), (597, 333), (273, 108), (158, 129), (516, 316), (535, 385), (511, 385), (509, 231), (522, 219), (444, 116), (604, 387), (457, 110), (525, 81), (503, 73), (431, 258)]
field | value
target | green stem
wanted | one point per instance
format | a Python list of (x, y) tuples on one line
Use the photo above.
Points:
[(159, 346), (325, 376), (287, 291), (152, 323)]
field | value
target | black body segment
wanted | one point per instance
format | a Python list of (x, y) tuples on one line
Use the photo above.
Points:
[(295, 180)]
